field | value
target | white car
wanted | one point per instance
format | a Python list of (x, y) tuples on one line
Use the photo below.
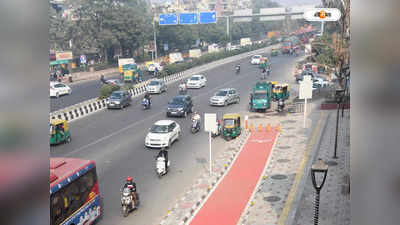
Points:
[(152, 67), (156, 86), (321, 81), (255, 59), (162, 134), (57, 89), (197, 81)]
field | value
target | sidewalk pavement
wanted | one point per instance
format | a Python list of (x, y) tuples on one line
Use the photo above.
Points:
[(335, 196), (275, 186)]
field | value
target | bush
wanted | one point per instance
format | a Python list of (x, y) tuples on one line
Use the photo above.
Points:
[(107, 89)]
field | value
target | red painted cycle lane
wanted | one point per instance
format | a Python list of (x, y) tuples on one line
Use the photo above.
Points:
[(226, 204)]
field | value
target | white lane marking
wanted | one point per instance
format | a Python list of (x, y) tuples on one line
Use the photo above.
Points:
[(140, 121)]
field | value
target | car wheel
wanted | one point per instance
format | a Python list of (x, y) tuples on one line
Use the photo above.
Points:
[(167, 114), (122, 106), (185, 114), (179, 135), (57, 95), (169, 143), (69, 92), (225, 103), (238, 100)]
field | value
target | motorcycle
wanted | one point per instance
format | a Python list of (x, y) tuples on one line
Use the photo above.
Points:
[(237, 69), (145, 103), (127, 202), (195, 126), (160, 167)]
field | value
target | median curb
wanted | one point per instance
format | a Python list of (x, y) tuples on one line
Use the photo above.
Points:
[(91, 106)]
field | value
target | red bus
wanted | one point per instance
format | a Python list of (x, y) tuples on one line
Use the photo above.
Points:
[(74, 192)]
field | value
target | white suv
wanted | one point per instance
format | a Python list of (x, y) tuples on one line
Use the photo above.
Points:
[(197, 81), (57, 89), (162, 134)]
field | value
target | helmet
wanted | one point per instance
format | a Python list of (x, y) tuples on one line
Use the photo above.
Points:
[(129, 179)]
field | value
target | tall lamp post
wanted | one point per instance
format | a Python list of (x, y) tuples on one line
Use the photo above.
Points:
[(338, 97), (321, 169)]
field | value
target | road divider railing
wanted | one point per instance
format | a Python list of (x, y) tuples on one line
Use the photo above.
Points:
[(91, 106)]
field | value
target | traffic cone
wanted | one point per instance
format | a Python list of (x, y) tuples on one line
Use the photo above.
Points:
[(268, 128), (278, 128)]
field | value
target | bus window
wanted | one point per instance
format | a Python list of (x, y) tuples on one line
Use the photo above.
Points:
[(69, 199)]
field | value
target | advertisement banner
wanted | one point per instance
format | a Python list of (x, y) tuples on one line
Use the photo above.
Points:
[(64, 55)]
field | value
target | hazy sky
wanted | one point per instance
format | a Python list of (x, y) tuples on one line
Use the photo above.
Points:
[(282, 2)]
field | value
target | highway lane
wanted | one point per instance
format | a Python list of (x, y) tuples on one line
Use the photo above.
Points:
[(115, 138), (82, 91)]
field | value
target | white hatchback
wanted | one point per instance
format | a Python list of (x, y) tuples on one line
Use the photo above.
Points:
[(255, 59), (197, 81), (162, 134), (57, 89)]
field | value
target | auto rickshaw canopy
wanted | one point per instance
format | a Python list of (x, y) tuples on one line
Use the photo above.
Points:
[(58, 122), (232, 116), (278, 88)]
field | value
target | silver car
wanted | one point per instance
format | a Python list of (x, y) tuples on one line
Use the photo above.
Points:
[(225, 97), (156, 87)]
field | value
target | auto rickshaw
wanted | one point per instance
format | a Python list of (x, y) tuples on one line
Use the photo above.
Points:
[(280, 91), (264, 62), (59, 131), (275, 52), (231, 126)]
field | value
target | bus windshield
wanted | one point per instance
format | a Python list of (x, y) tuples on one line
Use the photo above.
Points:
[(67, 203)]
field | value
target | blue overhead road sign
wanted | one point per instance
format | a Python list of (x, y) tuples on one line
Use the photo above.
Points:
[(188, 18), (168, 19), (208, 17)]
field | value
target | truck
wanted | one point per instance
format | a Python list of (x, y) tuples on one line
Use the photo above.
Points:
[(261, 96), (125, 61), (245, 41), (290, 44), (131, 73), (175, 57)]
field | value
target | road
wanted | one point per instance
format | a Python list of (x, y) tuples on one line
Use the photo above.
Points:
[(81, 92), (115, 140)]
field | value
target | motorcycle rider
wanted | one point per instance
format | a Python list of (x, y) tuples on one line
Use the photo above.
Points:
[(197, 117), (130, 183), (164, 154), (102, 80), (264, 71), (148, 97), (182, 87), (237, 67), (281, 104)]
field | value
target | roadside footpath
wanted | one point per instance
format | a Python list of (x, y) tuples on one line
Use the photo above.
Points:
[(286, 159)]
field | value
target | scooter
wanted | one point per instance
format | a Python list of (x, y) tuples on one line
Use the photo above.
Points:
[(195, 126), (145, 103), (160, 167), (127, 203), (182, 90), (237, 69)]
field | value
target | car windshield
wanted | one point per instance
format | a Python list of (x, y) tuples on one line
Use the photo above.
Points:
[(115, 95), (195, 78), (222, 93), (229, 122), (159, 129), (176, 101), (154, 83), (256, 57), (286, 44), (260, 96)]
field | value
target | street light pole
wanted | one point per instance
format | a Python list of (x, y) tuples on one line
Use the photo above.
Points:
[(321, 168), (155, 38), (339, 96)]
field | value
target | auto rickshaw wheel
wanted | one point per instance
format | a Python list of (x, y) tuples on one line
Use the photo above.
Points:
[(68, 139)]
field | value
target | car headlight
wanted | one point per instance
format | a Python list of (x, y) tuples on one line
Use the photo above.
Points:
[(117, 102), (180, 109)]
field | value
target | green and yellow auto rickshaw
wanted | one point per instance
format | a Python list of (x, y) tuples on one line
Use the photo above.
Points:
[(280, 91), (59, 131), (275, 52), (231, 126)]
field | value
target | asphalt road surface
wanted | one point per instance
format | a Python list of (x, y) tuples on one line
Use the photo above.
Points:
[(81, 92), (115, 140)]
